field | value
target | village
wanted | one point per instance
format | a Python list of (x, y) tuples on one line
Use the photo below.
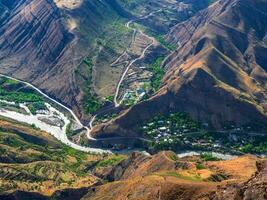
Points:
[(178, 131)]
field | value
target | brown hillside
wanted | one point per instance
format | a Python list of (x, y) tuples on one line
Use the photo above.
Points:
[(164, 176), (181, 179)]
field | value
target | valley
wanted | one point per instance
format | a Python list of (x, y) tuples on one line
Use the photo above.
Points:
[(140, 69), (133, 99), (178, 132)]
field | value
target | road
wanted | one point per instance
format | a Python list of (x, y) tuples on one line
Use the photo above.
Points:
[(46, 96), (117, 103), (123, 138)]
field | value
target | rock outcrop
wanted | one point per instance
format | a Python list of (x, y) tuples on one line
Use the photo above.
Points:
[(254, 188)]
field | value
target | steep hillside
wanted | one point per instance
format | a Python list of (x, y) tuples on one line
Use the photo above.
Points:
[(35, 30), (55, 40), (254, 188), (164, 176), (226, 46), (217, 75), (32, 160)]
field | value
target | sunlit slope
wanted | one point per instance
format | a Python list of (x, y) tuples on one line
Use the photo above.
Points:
[(32, 160)]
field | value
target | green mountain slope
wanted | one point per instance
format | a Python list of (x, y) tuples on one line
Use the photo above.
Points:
[(32, 160)]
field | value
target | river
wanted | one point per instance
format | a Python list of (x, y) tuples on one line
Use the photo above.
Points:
[(58, 132), (215, 154)]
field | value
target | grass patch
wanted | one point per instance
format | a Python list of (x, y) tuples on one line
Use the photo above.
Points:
[(69, 131), (173, 156), (19, 97), (164, 43), (13, 91), (255, 148), (35, 106), (200, 166), (177, 175), (208, 157), (110, 161), (217, 178), (90, 102), (158, 74)]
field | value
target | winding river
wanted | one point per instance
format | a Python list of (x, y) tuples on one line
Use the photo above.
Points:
[(57, 132)]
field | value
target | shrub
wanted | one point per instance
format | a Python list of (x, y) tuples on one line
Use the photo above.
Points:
[(208, 157)]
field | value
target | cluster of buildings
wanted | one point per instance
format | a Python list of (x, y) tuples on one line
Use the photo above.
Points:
[(162, 131), (135, 96)]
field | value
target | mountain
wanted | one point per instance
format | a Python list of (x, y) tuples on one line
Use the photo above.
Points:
[(45, 32), (166, 176), (163, 176), (217, 74), (69, 46)]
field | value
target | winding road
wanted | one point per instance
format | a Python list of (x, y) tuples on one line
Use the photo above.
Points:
[(117, 103)]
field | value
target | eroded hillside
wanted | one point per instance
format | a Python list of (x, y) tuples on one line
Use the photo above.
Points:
[(164, 176)]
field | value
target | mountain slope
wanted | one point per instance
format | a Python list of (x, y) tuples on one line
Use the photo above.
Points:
[(166, 176), (55, 40), (163, 176), (34, 161), (217, 75), (35, 30)]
